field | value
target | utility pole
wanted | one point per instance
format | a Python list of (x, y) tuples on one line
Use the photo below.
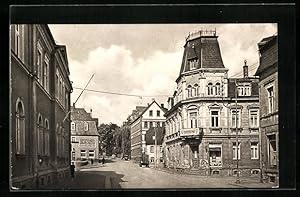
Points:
[(155, 147), (237, 141)]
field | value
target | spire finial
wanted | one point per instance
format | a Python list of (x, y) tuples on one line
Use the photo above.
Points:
[(245, 61)]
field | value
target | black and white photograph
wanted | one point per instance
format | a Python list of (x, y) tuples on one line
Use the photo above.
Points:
[(144, 106)]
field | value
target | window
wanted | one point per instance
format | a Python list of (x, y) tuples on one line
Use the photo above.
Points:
[(143, 137), (40, 136), (271, 99), (73, 156), (151, 124), (91, 153), (73, 126), (193, 119), (163, 124), (161, 160), (215, 119), (254, 150), (244, 90), (158, 113), (189, 90), (150, 113), (255, 171), (209, 89), (152, 159), (157, 124), (161, 149), (145, 124), (217, 89), (20, 127), (83, 153), (253, 118), (19, 41), (235, 118), (39, 61), (86, 126), (193, 63), (151, 149), (196, 87), (46, 73), (272, 153), (73, 139), (236, 151), (46, 137)]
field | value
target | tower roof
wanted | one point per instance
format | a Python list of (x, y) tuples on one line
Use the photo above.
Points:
[(204, 49)]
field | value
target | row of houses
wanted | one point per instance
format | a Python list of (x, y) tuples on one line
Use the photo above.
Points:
[(214, 124)]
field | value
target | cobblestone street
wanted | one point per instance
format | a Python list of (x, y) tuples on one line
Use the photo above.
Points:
[(120, 174)]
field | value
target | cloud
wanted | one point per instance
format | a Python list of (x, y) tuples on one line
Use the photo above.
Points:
[(117, 71), (144, 60)]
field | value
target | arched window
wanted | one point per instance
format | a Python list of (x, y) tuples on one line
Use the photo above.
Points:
[(46, 137), (217, 88), (40, 135), (20, 127), (189, 90), (196, 87), (210, 89)]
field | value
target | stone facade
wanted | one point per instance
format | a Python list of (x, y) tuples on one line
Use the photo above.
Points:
[(200, 122), (268, 89), (40, 127)]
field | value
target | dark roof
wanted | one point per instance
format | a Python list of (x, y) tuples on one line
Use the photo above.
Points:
[(253, 81), (267, 60), (211, 55), (79, 116), (160, 132)]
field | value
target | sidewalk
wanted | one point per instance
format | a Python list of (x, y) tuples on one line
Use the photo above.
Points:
[(83, 180), (245, 182)]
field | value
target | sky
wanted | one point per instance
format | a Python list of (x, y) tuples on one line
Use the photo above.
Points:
[(143, 59)]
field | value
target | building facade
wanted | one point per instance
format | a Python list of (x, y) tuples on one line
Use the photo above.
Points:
[(39, 103), (154, 146), (268, 89), (207, 131), (141, 119), (84, 137)]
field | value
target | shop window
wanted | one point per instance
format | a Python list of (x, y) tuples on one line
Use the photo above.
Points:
[(152, 159), (83, 153), (91, 153), (255, 171)]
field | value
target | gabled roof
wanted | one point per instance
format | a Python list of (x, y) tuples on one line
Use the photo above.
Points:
[(160, 132), (146, 108), (80, 116), (253, 81)]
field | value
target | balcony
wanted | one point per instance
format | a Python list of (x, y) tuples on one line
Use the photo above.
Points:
[(191, 132)]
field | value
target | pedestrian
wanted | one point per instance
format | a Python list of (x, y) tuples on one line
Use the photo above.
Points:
[(103, 161), (92, 161), (72, 168)]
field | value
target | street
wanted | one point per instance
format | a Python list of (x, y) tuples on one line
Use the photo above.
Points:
[(120, 174)]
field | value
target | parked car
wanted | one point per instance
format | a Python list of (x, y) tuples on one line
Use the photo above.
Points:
[(144, 161)]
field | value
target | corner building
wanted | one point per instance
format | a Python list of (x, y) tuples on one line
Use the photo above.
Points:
[(40, 102), (202, 114)]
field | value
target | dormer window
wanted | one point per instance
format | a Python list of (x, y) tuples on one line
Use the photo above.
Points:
[(193, 63), (244, 89)]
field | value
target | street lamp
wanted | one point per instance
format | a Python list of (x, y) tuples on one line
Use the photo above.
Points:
[(236, 130)]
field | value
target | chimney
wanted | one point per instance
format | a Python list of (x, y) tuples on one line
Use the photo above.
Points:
[(74, 105), (162, 105), (245, 69), (91, 111)]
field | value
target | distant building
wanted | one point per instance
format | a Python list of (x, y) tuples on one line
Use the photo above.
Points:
[(84, 136), (268, 85), (40, 101), (202, 117), (154, 150), (141, 119)]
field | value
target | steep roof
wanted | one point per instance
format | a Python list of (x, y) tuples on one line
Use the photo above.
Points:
[(80, 117), (270, 59), (204, 48), (160, 132)]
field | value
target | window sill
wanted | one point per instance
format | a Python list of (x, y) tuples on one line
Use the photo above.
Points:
[(254, 158), (21, 155)]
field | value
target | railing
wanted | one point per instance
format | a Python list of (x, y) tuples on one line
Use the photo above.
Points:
[(201, 33), (190, 132)]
